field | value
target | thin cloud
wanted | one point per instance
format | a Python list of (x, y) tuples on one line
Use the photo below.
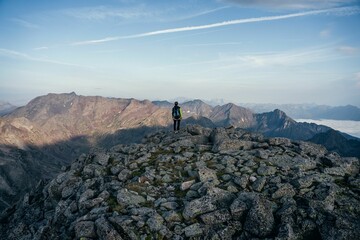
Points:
[(103, 12), (343, 10), (202, 13), (348, 50), (291, 4), (265, 60), (291, 58), (24, 23), (357, 77), (23, 56), (325, 33), (137, 12), (211, 44), (41, 48)]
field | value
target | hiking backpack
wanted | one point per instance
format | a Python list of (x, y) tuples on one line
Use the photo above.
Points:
[(176, 112)]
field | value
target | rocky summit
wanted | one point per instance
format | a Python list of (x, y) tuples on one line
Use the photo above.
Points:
[(198, 183)]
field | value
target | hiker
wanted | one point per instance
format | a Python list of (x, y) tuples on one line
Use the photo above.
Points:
[(177, 116)]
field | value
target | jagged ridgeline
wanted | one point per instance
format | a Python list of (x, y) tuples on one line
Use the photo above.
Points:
[(197, 184)]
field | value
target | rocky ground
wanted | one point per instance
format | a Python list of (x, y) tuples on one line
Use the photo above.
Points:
[(196, 184)]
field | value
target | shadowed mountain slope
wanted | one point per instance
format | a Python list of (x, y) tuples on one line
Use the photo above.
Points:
[(278, 124), (335, 141)]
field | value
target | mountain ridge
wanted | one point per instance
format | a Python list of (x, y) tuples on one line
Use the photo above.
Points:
[(59, 126)]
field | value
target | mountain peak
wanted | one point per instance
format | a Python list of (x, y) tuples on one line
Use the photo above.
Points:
[(280, 113)]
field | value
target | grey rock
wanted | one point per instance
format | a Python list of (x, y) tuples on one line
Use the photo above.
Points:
[(286, 232), (216, 217), (191, 194), (335, 171), (193, 230), (241, 181), (155, 222), (261, 153), (312, 149), (105, 230), (351, 165), (238, 209), (208, 175), (170, 205), (284, 190), (198, 207), (259, 184), (142, 211), (124, 174), (221, 197), (260, 219), (277, 141), (303, 182), (186, 185), (128, 198), (167, 178), (232, 145), (172, 216), (102, 158), (298, 162), (266, 170), (85, 229), (226, 177)]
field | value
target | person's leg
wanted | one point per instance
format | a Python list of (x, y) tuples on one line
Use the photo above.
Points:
[(174, 125), (178, 125)]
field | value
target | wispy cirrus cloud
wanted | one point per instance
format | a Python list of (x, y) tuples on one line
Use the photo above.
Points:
[(211, 44), (266, 60), (273, 60), (136, 12), (104, 12), (288, 58), (342, 10), (23, 23), (291, 4), (201, 13), (357, 79), (348, 50), (22, 56), (325, 33), (41, 48)]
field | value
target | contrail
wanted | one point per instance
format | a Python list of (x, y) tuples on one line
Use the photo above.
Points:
[(350, 10)]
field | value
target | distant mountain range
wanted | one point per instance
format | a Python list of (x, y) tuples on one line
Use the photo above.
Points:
[(310, 111), (295, 111), (6, 108), (51, 131)]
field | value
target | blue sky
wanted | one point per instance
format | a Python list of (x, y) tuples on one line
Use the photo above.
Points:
[(242, 51)]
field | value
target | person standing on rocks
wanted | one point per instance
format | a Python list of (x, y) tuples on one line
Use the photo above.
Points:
[(177, 116)]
